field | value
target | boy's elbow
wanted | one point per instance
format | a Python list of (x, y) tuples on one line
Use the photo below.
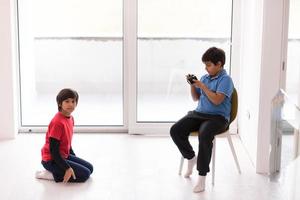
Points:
[(196, 98), (218, 103), (218, 100)]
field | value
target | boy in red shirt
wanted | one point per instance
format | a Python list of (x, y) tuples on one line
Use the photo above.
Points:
[(58, 158)]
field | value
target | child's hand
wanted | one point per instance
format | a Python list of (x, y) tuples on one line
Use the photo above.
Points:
[(190, 78), (198, 84), (69, 172)]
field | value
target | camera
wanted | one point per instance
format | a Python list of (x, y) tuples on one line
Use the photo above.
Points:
[(190, 78)]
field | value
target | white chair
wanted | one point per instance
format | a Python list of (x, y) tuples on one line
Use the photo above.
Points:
[(233, 113)]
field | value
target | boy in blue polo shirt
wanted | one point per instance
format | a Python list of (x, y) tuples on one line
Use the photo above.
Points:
[(211, 117)]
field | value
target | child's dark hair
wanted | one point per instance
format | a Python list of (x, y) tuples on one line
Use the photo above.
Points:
[(65, 94), (214, 55)]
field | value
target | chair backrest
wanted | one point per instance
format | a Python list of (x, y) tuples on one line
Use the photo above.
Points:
[(234, 105)]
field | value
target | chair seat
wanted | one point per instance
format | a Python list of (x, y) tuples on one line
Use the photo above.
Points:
[(221, 135)]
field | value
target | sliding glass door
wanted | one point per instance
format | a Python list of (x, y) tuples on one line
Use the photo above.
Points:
[(290, 145), (293, 51), (76, 44), (172, 36), (80, 44)]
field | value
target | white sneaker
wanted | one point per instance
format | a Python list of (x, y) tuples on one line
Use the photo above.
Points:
[(44, 174)]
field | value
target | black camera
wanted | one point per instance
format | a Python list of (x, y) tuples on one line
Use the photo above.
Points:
[(190, 78)]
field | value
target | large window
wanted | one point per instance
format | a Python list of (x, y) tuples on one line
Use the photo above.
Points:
[(293, 59), (76, 44), (172, 36), (290, 111), (79, 44)]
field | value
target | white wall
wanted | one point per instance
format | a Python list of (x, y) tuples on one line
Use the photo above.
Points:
[(271, 68), (8, 122), (259, 75), (251, 36)]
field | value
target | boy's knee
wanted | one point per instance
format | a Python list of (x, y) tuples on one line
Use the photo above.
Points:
[(91, 168), (85, 176), (173, 130)]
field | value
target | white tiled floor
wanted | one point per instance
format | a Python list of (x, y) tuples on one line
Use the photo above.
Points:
[(291, 180), (131, 168)]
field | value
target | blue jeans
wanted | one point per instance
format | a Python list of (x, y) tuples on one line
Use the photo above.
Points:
[(81, 168)]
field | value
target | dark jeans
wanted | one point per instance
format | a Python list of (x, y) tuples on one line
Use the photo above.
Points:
[(81, 168), (207, 126)]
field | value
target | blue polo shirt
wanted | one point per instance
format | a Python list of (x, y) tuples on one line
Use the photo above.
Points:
[(221, 83)]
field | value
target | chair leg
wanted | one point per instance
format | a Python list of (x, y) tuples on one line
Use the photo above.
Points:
[(181, 165), (233, 153), (213, 162)]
